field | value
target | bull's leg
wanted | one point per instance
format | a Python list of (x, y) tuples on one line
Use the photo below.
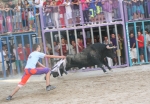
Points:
[(100, 65), (106, 64)]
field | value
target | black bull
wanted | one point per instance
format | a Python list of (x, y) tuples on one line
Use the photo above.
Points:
[(94, 54)]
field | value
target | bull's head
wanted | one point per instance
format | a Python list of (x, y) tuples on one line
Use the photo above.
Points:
[(110, 51), (58, 71)]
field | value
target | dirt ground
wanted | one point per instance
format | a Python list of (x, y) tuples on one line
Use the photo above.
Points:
[(129, 85)]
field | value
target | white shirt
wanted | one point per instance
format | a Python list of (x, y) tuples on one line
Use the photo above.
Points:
[(49, 46), (68, 7), (55, 50), (72, 50), (4, 54), (30, 14), (33, 59), (40, 5), (147, 38)]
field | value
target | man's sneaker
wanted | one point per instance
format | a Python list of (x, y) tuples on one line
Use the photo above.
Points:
[(50, 87), (9, 97)]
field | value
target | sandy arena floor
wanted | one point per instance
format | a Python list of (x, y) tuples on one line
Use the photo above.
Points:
[(123, 86)]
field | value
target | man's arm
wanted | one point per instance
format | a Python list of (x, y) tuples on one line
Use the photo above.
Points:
[(53, 56), (41, 65), (141, 40), (133, 45)]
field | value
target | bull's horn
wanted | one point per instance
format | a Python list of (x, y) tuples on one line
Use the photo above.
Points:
[(114, 47)]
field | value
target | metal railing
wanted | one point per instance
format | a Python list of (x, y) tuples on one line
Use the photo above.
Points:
[(14, 51), (18, 20)]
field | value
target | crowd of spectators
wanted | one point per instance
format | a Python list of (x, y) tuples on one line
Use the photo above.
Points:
[(137, 9), (69, 13), (139, 48), (14, 57), (20, 15)]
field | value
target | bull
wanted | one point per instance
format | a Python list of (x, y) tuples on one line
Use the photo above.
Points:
[(94, 54)]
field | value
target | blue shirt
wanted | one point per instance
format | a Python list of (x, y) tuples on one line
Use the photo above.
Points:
[(114, 42), (99, 4), (92, 5), (33, 59), (132, 41)]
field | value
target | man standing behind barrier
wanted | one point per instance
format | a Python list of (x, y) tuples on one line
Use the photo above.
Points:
[(133, 50), (31, 69), (22, 56), (148, 44), (140, 40)]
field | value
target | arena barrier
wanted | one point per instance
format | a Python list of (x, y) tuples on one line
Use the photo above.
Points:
[(10, 62), (87, 33), (134, 27)]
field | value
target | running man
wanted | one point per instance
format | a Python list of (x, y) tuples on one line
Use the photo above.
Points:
[(30, 69)]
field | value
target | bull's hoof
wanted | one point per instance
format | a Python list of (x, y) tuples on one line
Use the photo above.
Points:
[(106, 72), (111, 70)]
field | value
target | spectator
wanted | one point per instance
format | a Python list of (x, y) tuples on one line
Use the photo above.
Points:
[(49, 48), (55, 14), (18, 15), (106, 40), (17, 61), (76, 11), (116, 9), (8, 18), (99, 11), (12, 6), (134, 9), (73, 47), (48, 14), (88, 43), (114, 43), (2, 23), (62, 11), (95, 40), (28, 51), (56, 49), (121, 48), (148, 44), (30, 18), (129, 9), (25, 15), (140, 40), (12, 65), (140, 9), (38, 4), (92, 10), (80, 45), (107, 7), (2, 60), (22, 56), (64, 47), (133, 51), (85, 11), (67, 4), (148, 7), (5, 56)]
